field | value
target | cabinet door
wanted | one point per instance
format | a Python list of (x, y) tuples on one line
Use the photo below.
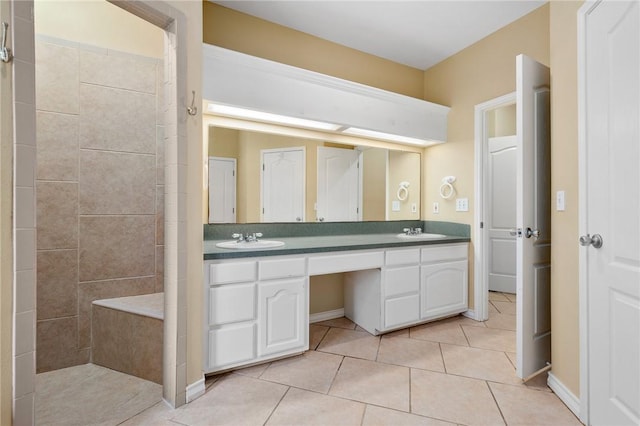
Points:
[(283, 315), (401, 310), (443, 289), (231, 345)]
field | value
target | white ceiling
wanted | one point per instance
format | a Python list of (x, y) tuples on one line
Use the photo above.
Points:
[(418, 33)]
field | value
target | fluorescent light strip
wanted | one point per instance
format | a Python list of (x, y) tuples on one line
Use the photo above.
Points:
[(270, 118), (386, 136)]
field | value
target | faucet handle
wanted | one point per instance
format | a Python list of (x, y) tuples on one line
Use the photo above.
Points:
[(236, 235), (258, 234), (406, 230), (418, 230)]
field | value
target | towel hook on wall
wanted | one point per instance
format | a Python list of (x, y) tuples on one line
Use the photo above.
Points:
[(5, 52), (193, 109)]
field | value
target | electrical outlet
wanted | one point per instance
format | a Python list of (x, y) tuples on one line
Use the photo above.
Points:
[(462, 204), (414, 208), (436, 208), (560, 201)]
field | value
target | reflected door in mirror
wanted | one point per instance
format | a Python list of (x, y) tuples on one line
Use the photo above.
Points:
[(282, 184), (339, 185), (222, 190)]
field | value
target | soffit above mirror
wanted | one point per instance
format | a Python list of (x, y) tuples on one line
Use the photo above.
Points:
[(240, 81)]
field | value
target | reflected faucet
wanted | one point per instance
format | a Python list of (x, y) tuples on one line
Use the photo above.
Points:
[(247, 238), (412, 231)]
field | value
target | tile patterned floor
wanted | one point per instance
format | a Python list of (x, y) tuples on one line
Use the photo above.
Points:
[(454, 371)]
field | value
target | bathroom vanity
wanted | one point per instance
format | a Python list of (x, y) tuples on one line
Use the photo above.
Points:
[(256, 302)]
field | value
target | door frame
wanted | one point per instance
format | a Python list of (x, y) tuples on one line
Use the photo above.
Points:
[(480, 282), (583, 294)]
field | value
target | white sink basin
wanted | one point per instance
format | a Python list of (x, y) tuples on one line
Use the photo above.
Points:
[(423, 236), (250, 245)]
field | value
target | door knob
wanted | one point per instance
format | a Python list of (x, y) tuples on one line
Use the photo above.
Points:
[(532, 233), (595, 240)]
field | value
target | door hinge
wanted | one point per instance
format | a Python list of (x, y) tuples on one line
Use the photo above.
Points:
[(263, 167), (481, 225), (233, 173)]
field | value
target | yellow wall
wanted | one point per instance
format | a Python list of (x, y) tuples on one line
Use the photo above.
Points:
[(76, 20), (477, 74), (565, 344), (501, 121), (326, 293), (374, 177), (243, 33), (404, 166)]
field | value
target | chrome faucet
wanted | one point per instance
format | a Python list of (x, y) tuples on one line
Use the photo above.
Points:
[(248, 238), (412, 231)]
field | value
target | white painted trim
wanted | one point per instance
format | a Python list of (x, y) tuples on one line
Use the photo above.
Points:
[(326, 315), (471, 314), (566, 396), (195, 390), (583, 295), (480, 285)]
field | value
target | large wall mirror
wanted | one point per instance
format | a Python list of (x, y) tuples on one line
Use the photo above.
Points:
[(257, 176)]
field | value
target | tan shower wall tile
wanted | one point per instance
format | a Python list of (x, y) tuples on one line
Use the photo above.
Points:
[(111, 335), (57, 78), (159, 269), (147, 338), (96, 290), (117, 120), (57, 290), (57, 152), (117, 247), (160, 155), (116, 183), (57, 215), (56, 344), (160, 215), (119, 71)]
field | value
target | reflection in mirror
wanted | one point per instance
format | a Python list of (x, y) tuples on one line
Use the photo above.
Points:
[(264, 177)]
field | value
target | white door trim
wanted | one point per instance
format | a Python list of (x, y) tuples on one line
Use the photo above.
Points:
[(480, 284), (583, 296)]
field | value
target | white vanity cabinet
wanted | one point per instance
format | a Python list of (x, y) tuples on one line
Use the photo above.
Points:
[(415, 285), (255, 310), (444, 281)]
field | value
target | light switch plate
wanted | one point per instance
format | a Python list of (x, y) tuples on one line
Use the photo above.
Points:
[(462, 204), (395, 206), (560, 201), (436, 208)]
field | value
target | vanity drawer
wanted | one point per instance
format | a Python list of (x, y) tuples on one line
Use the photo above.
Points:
[(282, 268), (233, 272), (402, 257), (401, 280), (232, 303), (401, 310), (444, 252), (345, 262), (231, 345)]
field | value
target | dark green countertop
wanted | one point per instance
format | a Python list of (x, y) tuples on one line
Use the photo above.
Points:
[(324, 243)]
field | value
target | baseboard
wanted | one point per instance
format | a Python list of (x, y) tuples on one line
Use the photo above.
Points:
[(471, 314), (326, 315), (195, 390), (566, 396)]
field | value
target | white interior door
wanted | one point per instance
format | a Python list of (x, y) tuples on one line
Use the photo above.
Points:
[(283, 182), (501, 194), (610, 188), (222, 190), (339, 185), (533, 217)]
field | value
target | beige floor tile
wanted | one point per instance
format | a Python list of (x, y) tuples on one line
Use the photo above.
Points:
[(501, 321), (399, 333), (158, 415), (312, 371), (342, 322), (510, 296), (486, 365), (513, 358), (357, 344), (492, 309), (453, 398), (539, 383), (254, 371), (491, 338), (410, 353), (522, 406), (102, 396), (316, 334), (508, 308), (233, 400), (378, 416), (496, 295), (300, 407), (448, 332), (373, 383)]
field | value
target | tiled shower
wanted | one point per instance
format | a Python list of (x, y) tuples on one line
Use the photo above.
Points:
[(99, 188)]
